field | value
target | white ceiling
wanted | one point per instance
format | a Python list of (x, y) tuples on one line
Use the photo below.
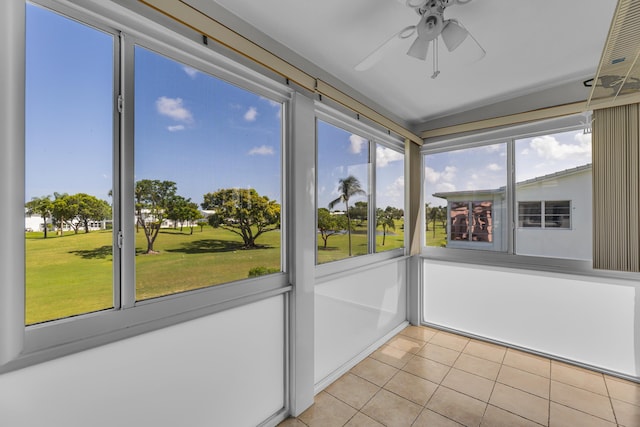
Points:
[(531, 45)]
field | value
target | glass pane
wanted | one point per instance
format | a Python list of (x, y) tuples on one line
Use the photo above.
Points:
[(69, 155), (208, 179), (342, 188), (389, 199), (553, 172), (459, 212), (529, 214), (557, 214), (465, 198)]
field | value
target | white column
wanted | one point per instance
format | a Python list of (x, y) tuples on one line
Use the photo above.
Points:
[(12, 45)]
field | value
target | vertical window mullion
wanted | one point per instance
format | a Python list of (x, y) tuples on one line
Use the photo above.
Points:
[(371, 204), (118, 62), (511, 211)]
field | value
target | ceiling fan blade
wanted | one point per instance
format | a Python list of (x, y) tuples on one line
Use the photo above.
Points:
[(419, 48), (453, 34), (390, 44)]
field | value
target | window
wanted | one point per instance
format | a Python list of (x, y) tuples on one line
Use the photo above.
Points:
[(465, 198), (544, 210), (68, 172), (357, 215), (208, 181), (196, 199), (557, 214)]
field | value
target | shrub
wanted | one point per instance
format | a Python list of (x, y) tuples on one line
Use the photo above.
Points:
[(261, 271)]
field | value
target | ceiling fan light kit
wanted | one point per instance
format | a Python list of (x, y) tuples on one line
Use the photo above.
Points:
[(431, 25)]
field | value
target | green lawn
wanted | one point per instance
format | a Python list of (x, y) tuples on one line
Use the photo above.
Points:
[(73, 274), (439, 238)]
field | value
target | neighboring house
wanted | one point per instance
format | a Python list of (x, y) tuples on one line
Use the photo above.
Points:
[(35, 223), (554, 216)]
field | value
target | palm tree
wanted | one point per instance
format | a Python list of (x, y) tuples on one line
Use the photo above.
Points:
[(40, 206), (348, 187), (385, 220)]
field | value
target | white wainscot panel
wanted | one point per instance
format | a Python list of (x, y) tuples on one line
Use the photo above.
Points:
[(577, 318), (354, 311), (222, 370)]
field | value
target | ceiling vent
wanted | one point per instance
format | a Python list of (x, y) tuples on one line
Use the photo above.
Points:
[(619, 69)]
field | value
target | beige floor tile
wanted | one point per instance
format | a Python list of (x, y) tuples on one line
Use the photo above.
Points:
[(457, 406), (327, 411), (623, 390), (582, 400), (392, 356), (563, 416), (419, 332), (475, 365), (439, 354), (528, 362), (445, 339), (578, 377), (427, 369), (352, 390), (525, 381), (391, 409), (361, 420), (429, 418), (292, 422), (526, 405), (405, 343), (374, 371), (411, 387), (628, 415), (494, 353), (469, 384), (496, 417)]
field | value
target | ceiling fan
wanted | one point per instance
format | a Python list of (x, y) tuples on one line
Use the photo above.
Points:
[(430, 26)]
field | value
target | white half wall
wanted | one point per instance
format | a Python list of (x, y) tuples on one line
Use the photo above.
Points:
[(354, 311), (226, 369), (586, 320)]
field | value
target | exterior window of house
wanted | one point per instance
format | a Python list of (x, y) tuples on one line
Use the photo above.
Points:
[(68, 172), (530, 214), (557, 214), (465, 197), (207, 179)]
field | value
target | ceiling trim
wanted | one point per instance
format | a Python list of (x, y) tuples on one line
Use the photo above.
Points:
[(534, 115), (214, 30)]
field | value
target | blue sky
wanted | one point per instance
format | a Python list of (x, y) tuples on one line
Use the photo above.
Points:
[(485, 167), (191, 128)]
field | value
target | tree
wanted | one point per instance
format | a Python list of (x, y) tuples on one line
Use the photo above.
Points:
[(151, 203), (192, 214), (62, 211), (243, 212), (328, 224), (348, 187), (384, 219), (40, 206), (90, 208), (359, 212)]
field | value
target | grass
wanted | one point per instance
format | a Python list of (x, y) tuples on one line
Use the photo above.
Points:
[(439, 238), (73, 274)]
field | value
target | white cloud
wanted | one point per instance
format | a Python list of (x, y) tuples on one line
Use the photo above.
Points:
[(191, 72), (173, 108), (550, 148), (263, 150), (356, 143), (494, 167), (271, 102), (385, 155), (432, 176), (445, 187), (175, 128), (251, 114)]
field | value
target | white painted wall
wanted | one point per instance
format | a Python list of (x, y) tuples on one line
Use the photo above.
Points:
[(222, 370), (574, 243), (591, 321), (356, 310)]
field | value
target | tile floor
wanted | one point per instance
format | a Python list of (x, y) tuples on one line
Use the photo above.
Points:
[(426, 377)]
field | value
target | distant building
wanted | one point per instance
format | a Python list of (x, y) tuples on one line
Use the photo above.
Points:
[(554, 216)]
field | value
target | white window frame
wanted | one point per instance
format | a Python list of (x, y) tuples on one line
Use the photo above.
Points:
[(27, 345), (543, 215), (375, 137), (508, 258)]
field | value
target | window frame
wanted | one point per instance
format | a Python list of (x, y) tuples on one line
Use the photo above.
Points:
[(375, 137), (508, 258), (542, 204), (44, 341)]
